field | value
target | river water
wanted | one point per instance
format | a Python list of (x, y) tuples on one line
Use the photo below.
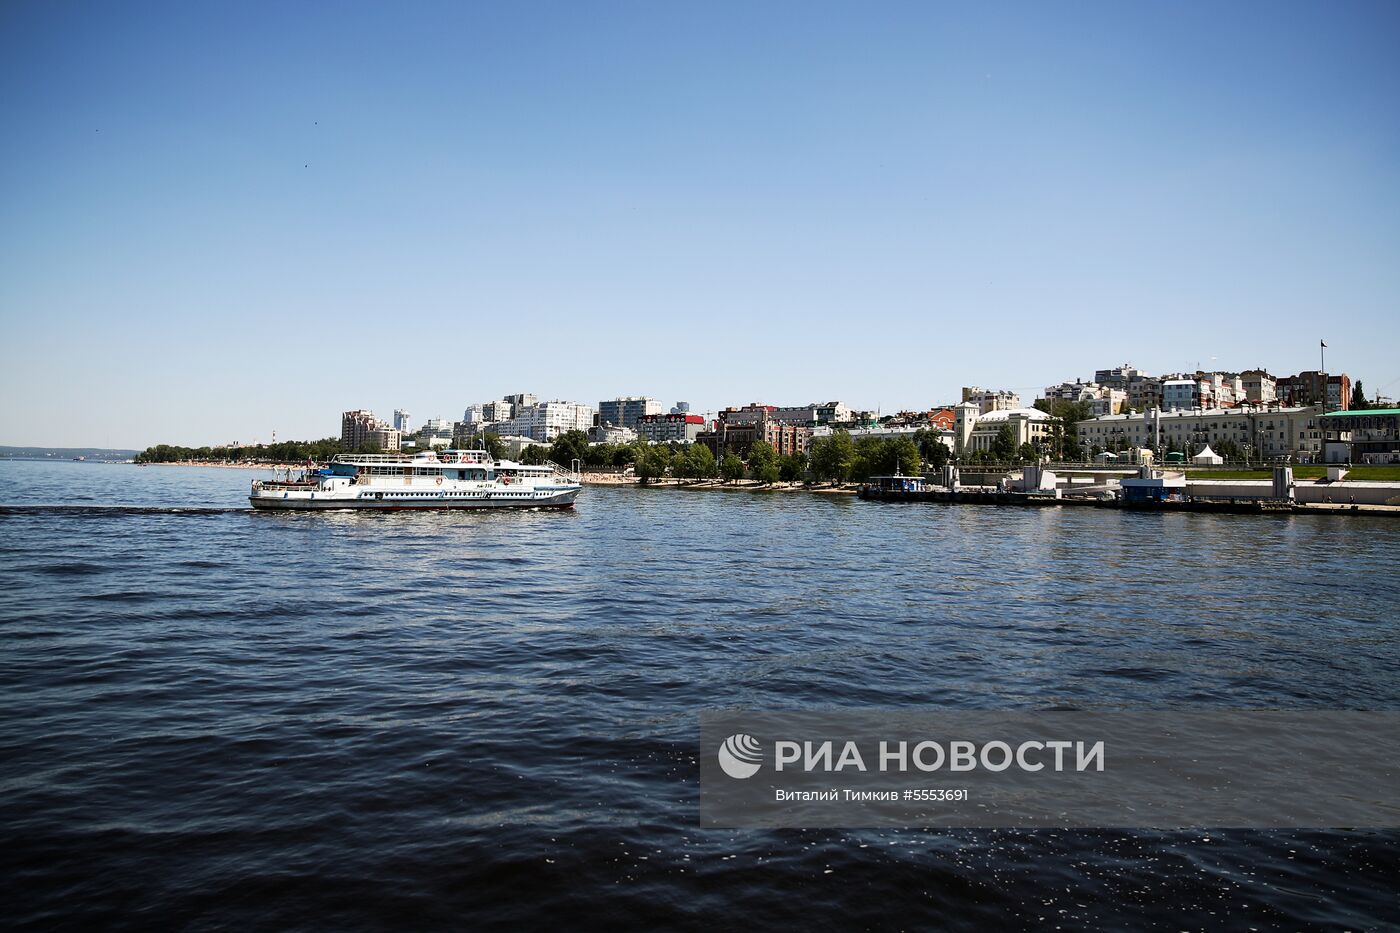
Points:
[(213, 717)]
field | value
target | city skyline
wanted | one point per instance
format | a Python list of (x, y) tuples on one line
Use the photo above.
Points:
[(219, 218), (1029, 393)]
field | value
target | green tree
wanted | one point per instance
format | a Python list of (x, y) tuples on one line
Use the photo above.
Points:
[(1358, 397), (1004, 444), (763, 463), (833, 457), (569, 446), (866, 462), (907, 456), (700, 462), (731, 468), (681, 467), (1064, 432), (283, 452), (884, 456), (931, 447), (792, 467), (1028, 453), (650, 464), (1228, 449)]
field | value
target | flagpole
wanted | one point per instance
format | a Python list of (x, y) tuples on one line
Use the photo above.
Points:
[(1322, 373)]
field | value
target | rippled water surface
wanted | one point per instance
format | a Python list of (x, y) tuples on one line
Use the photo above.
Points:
[(213, 717)]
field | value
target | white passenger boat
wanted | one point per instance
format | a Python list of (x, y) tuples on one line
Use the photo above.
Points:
[(449, 479)]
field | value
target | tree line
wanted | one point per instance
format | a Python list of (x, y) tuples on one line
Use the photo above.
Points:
[(281, 452)]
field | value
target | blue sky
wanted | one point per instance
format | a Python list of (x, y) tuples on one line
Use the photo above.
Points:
[(221, 220)]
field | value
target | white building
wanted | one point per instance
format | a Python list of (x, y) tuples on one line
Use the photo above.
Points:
[(974, 430), (1265, 433), (1259, 387), (611, 434), (477, 417), (1108, 402), (1203, 390), (987, 400), (401, 420), (544, 421), (513, 445), (518, 402), (1101, 399)]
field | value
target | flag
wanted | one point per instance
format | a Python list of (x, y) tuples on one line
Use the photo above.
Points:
[(1324, 344)]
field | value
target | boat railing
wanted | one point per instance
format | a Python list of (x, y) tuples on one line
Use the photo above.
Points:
[(562, 474), (372, 458)]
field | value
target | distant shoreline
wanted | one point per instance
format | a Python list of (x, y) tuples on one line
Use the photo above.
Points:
[(227, 466)]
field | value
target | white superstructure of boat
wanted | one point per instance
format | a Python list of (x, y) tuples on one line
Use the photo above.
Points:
[(448, 479)]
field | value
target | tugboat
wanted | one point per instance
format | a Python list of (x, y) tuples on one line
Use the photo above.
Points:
[(449, 479)]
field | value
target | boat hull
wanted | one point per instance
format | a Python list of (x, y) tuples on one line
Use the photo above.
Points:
[(291, 503)]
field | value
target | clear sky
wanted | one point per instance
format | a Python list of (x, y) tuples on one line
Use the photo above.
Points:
[(217, 220)]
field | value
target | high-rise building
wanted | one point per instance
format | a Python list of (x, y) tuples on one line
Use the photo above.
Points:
[(360, 428), (625, 411), (516, 403), (401, 419), (483, 414), (544, 421), (355, 428)]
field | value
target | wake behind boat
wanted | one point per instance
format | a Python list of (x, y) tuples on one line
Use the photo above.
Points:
[(448, 479)]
